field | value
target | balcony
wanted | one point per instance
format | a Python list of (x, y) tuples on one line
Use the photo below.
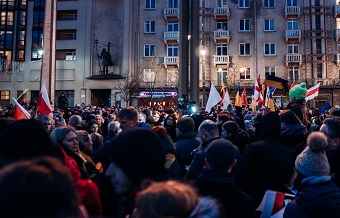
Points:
[(171, 36), (292, 11), (221, 35), (221, 12), (221, 59), (171, 13), (337, 59), (293, 59), (337, 11), (293, 34), (171, 61), (337, 35)]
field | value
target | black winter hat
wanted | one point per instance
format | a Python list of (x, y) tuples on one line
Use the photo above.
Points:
[(220, 154), (186, 124), (138, 152)]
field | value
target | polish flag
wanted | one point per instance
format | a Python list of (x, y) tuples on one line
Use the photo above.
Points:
[(44, 106), (21, 113), (272, 203), (313, 92)]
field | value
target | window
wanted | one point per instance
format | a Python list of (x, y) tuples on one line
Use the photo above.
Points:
[(269, 71), (38, 18), (67, 34), (22, 18), (269, 25), (338, 48), (221, 3), (9, 40), (269, 4), (21, 38), (292, 24), (149, 26), (245, 74), (318, 46), (222, 76), (243, 3), (222, 25), (294, 74), (173, 4), (172, 76), (4, 95), (2, 37), (67, 15), (222, 49), (172, 50), (269, 49), (150, 4), (291, 2), (244, 49), (149, 75), (293, 48), (149, 50), (319, 71), (244, 25), (37, 37), (318, 22), (36, 52), (67, 54), (172, 25), (10, 19)]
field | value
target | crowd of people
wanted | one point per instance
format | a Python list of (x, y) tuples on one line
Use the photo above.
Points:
[(90, 161)]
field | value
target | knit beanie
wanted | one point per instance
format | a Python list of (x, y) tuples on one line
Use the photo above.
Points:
[(138, 152), (186, 124), (298, 92), (220, 154), (313, 160)]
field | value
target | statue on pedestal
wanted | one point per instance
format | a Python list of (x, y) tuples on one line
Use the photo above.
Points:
[(107, 60)]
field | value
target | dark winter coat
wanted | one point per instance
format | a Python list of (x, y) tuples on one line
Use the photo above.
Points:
[(221, 186), (334, 162), (294, 137), (185, 144), (171, 130), (316, 200)]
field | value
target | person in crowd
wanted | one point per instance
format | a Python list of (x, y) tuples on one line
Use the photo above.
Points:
[(98, 142), (65, 141), (170, 126), (100, 121), (208, 132), (136, 155), (266, 164), (171, 163), (317, 195), (316, 117), (62, 101), (157, 118), (186, 141), (297, 102), (40, 187), (109, 118), (92, 126), (85, 151), (46, 121), (238, 136), (113, 130), (76, 122), (222, 117), (128, 118), (217, 181), (174, 199), (331, 128), (293, 133)]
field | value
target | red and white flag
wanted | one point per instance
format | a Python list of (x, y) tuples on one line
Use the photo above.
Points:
[(44, 106), (214, 98), (21, 113), (313, 92), (258, 98), (226, 100), (272, 203)]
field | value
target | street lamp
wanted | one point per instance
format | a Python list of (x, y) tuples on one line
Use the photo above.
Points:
[(203, 75)]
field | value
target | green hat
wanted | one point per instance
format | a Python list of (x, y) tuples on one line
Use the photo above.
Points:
[(298, 92)]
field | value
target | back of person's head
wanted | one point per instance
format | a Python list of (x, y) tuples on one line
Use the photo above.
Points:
[(75, 121), (38, 188), (316, 112), (230, 126), (333, 126), (83, 138), (97, 139), (24, 139), (167, 142), (138, 152), (129, 113), (210, 127), (43, 117), (334, 112), (269, 126), (289, 117), (186, 124), (220, 155), (113, 127)]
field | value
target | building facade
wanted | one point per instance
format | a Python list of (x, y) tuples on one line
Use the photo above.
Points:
[(298, 40)]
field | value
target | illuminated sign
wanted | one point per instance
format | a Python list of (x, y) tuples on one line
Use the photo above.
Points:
[(157, 94)]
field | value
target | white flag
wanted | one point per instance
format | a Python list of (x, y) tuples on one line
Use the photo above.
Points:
[(226, 100), (214, 98)]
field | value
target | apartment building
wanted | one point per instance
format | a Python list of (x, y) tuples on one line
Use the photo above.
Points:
[(239, 40)]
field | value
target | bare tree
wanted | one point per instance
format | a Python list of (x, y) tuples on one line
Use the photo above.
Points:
[(129, 86)]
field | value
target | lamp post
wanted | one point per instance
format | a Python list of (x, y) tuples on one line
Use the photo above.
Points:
[(203, 76)]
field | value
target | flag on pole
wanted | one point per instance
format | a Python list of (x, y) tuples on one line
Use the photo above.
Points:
[(22, 114), (253, 103), (258, 97), (282, 107), (44, 106), (244, 99), (272, 203), (313, 92), (226, 100), (213, 99), (223, 88), (238, 100), (271, 103), (21, 99)]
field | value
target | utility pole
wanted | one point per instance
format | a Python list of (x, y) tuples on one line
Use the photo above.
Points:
[(194, 50), (183, 77), (48, 63)]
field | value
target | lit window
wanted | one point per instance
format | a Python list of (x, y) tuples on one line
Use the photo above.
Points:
[(4, 95), (245, 73), (149, 75), (70, 56)]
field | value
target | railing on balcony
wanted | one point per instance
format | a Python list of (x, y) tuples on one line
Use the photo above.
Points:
[(222, 35), (171, 12), (337, 11), (293, 58), (292, 11), (171, 36), (293, 34), (173, 61), (221, 12), (221, 59)]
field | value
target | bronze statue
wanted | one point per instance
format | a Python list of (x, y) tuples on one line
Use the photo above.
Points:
[(107, 61)]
